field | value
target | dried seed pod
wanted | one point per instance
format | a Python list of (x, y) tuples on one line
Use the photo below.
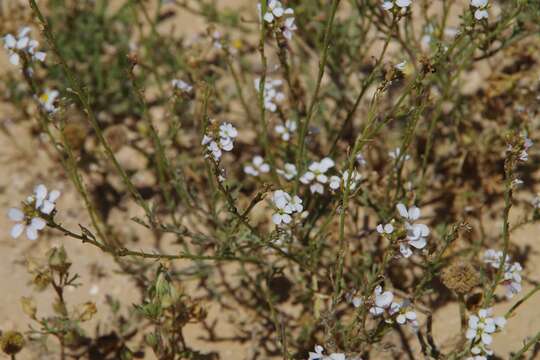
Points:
[(460, 277)]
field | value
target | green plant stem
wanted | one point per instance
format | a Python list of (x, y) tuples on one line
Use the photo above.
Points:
[(514, 307), (264, 125), (82, 95), (315, 97), (526, 347)]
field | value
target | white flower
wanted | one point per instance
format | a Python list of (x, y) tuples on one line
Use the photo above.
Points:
[(401, 65), (289, 27), (536, 202), (258, 167), (494, 258), (480, 329), (316, 175), (47, 100), (285, 207), (512, 271), (285, 131), (404, 314), (382, 301), (271, 95), (318, 355), (481, 6), (527, 143), (361, 160), (389, 4), (181, 85), (227, 133), (336, 181), (385, 229), (395, 154), (226, 130), (45, 201), (40, 203), (22, 43), (416, 233), (512, 280), (289, 172), (357, 301), (32, 225)]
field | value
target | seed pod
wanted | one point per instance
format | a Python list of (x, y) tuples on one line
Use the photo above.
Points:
[(12, 342), (460, 277)]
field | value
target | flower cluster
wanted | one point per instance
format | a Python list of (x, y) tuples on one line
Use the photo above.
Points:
[(40, 204), (318, 355), (382, 301), (316, 175), (286, 206), (336, 181), (480, 11), (285, 131), (479, 332), (225, 142), (279, 16), (527, 143), (289, 171), (271, 94), (404, 314), (416, 233), (257, 166), (22, 43), (402, 4), (512, 271)]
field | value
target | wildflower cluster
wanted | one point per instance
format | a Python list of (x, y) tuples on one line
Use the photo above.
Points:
[(35, 210), (257, 166), (285, 207), (480, 332), (221, 140), (282, 18), (358, 146), (416, 233), (336, 182), (286, 130), (401, 4), (384, 305), (512, 271), (22, 44), (272, 95), (480, 9), (316, 175)]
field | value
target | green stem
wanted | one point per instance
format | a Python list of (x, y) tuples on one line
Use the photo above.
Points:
[(314, 99)]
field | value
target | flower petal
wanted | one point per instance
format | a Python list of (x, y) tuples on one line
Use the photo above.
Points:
[(402, 210), (37, 223), (15, 214), (31, 233), (17, 230)]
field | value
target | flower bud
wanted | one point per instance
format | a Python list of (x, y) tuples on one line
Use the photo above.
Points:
[(12, 342)]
